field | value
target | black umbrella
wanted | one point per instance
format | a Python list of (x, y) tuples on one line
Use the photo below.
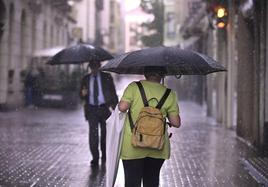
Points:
[(176, 61), (80, 53)]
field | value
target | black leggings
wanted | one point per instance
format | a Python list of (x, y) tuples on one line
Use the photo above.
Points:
[(145, 169)]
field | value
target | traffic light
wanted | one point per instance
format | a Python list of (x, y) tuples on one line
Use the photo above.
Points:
[(221, 17)]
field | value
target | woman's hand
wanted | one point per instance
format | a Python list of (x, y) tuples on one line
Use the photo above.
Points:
[(123, 106), (174, 121)]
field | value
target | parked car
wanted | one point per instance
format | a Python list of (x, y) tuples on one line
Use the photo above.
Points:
[(58, 84)]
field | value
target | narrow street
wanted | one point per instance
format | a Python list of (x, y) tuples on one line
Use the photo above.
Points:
[(49, 147), (212, 52)]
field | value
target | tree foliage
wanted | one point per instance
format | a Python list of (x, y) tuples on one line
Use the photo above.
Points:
[(156, 27)]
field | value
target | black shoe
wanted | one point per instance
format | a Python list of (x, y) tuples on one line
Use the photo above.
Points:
[(94, 163)]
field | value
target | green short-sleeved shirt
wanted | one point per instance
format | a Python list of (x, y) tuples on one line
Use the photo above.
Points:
[(132, 96)]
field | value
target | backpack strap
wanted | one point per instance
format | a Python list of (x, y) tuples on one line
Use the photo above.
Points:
[(130, 120), (143, 96), (163, 99), (145, 102)]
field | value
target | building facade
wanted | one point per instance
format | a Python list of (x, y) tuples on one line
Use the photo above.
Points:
[(27, 26), (237, 99)]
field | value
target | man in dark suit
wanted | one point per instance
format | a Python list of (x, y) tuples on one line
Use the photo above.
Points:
[(99, 96)]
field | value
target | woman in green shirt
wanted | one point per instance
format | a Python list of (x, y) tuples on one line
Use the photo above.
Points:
[(143, 164)]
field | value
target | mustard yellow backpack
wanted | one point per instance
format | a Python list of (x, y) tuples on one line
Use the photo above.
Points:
[(150, 126)]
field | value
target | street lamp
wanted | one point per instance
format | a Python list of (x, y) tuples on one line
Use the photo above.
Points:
[(221, 17), (221, 12)]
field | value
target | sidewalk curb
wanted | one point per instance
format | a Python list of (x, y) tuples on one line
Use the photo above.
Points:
[(255, 173)]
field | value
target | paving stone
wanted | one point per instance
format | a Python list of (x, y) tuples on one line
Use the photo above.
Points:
[(49, 147)]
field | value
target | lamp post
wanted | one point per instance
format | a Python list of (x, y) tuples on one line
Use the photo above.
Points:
[(98, 34)]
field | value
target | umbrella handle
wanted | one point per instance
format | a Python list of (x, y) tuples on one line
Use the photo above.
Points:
[(178, 76), (169, 134), (169, 124)]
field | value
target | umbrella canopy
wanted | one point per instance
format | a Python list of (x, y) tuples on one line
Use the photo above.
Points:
[(48, 52), (176, 61), (80, 53)]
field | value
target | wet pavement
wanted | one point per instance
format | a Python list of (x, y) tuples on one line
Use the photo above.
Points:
[(49, 147)]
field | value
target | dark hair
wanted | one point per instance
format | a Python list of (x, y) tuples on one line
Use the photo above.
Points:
[(152, 70), (94, 64)]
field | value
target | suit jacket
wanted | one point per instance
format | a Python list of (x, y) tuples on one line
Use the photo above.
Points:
[(108, 89)]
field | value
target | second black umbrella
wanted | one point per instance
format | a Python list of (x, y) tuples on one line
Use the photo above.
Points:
[(80, 53)]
